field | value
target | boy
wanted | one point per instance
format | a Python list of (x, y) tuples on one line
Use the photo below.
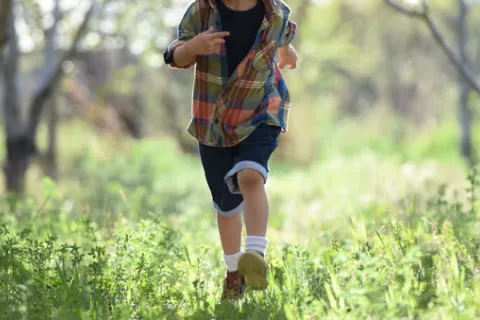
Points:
[(240, 107)]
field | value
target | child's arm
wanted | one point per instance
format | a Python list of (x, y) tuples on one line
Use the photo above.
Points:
[(204, 43), (187, 29), (191, 42)]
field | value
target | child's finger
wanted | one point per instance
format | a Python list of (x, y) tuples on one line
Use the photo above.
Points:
[(219, 35), (218, 41), (208, 31), (281, 65)]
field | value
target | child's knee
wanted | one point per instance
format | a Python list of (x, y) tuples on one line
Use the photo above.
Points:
[(222, 217), (249, 179)]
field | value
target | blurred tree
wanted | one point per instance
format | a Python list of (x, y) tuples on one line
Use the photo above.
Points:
[(458, 56), (20, 132), (465, 112), (115, 66), (51, 37)]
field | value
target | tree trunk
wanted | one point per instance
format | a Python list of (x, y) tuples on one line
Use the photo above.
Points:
[(464, 111), (19, 146), (51, 163), (465, 117), (19, 151), (50, 160)]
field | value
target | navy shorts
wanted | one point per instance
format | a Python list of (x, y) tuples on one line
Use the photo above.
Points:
[(222, 164)]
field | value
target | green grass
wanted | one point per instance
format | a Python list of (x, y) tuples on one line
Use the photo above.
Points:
[(130, 234)]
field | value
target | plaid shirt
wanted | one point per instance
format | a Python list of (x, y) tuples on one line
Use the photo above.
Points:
[(225, 110)]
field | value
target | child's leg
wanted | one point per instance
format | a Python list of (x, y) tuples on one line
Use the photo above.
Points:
[(230, 229), (216, 163), (248, 177), (252, 186)]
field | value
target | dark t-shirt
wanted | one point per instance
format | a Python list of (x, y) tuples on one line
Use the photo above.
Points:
[(243, 27)]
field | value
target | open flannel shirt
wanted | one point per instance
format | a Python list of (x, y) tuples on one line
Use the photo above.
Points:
[(225, 110)]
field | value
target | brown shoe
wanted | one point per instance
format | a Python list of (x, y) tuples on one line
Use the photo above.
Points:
[(253, 266), (233, 286)]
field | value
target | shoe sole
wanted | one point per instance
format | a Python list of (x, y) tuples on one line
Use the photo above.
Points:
[(255, 270)]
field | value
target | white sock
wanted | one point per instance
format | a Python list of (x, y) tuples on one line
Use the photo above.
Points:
[(231, 261), (256, 243)]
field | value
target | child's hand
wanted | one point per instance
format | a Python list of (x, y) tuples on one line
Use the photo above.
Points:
[(207, 42), (287, 56)]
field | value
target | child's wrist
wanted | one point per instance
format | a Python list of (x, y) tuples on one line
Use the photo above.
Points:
[(190, 48), (284, 49)]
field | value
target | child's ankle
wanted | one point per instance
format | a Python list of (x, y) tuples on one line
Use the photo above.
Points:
[(231, 261), (256, 244)]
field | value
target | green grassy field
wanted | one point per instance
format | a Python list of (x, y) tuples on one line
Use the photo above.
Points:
[(130, 234)]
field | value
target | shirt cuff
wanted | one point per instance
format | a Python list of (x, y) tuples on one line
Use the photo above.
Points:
[(289, 34), (169, 56)]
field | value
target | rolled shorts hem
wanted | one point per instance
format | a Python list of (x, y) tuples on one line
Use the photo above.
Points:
[(230, 213), (243, 165)]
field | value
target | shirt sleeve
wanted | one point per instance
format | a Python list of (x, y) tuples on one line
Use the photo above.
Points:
[(188, 28), (288, 29)]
